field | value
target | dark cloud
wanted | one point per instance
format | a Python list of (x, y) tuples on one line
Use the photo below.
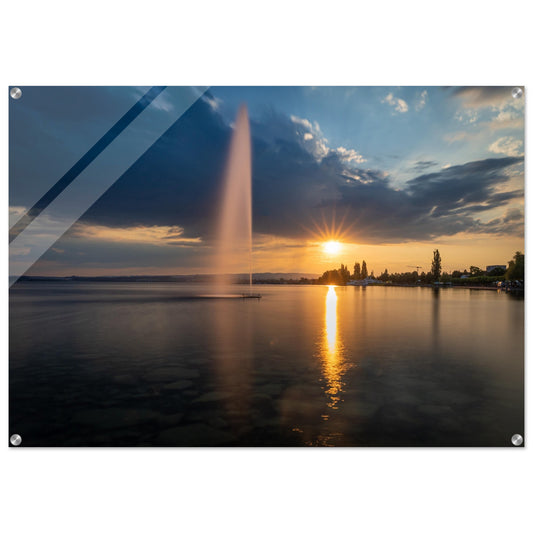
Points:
[(511, 222), (421, 166), (483, 96), (431, 205), (298, 182), (50, 128), (78, 104), (461, 184), (176, 182)]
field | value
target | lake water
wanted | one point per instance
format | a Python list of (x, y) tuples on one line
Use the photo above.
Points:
[(151, 364)]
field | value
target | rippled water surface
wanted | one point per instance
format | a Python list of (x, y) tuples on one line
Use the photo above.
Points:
[(142, 364)]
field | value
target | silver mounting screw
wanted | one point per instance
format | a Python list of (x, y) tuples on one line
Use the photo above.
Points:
[(15, 439), (15, 93), (517, 439), (517, 92)]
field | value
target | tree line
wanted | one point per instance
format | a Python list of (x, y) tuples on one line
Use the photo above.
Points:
[(473, 275)]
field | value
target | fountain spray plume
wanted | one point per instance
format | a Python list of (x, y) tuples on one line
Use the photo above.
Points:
[(234, 252)]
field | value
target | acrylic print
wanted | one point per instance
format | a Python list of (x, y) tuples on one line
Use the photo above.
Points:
[(266, 266)]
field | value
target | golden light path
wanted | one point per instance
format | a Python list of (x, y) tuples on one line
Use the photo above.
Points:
[(331, 352), (331, 320)]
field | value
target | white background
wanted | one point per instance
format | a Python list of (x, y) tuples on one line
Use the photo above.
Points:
[(273, 43)]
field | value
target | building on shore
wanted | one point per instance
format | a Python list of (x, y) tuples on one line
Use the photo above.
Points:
[(364, 282)]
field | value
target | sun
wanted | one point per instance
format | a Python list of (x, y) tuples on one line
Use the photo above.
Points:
[(332, 247), (330, 235)]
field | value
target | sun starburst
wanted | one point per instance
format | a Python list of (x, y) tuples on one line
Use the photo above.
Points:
[(330, 235)]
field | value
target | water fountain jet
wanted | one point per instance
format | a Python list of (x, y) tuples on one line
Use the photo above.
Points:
[(234, 248)]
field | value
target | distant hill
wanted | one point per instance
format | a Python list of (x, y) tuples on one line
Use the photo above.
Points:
[(277, 275), (184, 278)]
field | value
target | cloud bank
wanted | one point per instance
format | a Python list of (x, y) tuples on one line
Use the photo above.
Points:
[(299, 181)]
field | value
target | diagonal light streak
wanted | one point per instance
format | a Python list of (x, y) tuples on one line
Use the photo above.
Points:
[(65, 203)]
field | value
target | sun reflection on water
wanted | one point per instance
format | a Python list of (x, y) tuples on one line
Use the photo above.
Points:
[(331, 321), (331, 352)]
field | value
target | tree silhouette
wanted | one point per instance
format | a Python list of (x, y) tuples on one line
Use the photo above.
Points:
[(357, 271), (384, 276), (436, 266), (339, 276), (345, 274), (475, 271), (364, 271), (516, 267)]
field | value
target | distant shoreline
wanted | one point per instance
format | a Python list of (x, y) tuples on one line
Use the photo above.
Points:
[(481, 287), (242, 279), (201, 278)]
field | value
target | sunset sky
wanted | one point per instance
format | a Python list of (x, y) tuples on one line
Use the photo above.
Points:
[(390, 173)]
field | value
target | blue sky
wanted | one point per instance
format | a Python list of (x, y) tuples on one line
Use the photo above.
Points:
[(416, 167), (394, 126)]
